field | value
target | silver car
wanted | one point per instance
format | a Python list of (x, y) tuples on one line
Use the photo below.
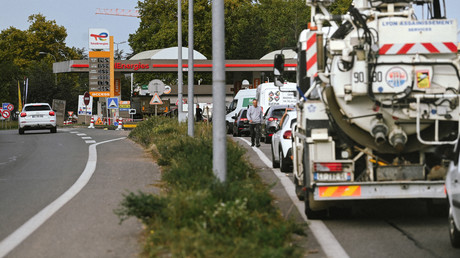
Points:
[(37, 116)]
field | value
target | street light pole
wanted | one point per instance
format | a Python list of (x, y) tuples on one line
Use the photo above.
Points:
[(219, 139), (123, 42), (55, 60)]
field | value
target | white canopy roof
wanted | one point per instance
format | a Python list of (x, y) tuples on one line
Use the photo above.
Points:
[(167, 53)]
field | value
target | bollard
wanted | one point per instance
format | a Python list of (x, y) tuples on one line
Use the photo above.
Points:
[(120, 124), (91, 125)]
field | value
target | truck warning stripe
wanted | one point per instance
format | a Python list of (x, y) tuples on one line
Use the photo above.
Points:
[(339, 191), (405, 49), (420, 48)]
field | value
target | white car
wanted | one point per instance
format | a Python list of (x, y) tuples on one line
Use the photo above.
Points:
[(453, 196), (282, 142), (37, 116)]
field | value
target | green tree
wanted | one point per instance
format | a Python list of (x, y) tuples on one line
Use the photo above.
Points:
[(20, 58)]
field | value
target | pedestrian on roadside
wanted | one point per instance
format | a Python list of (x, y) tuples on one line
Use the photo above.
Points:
[(199, 113), (254, 116)]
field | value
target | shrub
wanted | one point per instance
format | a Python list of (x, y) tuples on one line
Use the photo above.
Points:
[(197, 216)]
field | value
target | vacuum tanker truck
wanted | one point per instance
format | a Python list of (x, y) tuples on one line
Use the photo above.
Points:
[(379, 103)]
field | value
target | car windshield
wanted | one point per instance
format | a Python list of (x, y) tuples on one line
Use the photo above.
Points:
[(37, 108), (278, 113), (243, 115)]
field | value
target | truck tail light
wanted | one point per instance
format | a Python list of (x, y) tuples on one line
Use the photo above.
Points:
[(328, 167), (23, 114), (287, 134), (52, 113)]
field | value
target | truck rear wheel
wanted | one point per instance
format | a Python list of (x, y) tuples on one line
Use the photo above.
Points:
[(299, 189), (311, 209)]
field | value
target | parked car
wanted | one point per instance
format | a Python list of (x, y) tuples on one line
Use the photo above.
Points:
[(453, 196), (242, 99), (37, 116), (271, 120), (282, 142), (241, 123)]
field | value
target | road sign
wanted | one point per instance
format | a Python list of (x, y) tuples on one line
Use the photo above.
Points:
[(86, 98), (5, 106), (112, 103), (10, 107), (132, 111), (70, 113), (167, 89), (5, 114), (156, 100), (125, 105), (156, 86)]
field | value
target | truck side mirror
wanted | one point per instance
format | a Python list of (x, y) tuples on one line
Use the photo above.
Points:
[(278, 69)]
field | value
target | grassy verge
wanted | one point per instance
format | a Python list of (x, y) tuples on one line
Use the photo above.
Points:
[(8, 125), (196, 216)]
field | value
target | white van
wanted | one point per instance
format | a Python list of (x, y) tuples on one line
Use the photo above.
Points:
[(242, 99), (270, 95)]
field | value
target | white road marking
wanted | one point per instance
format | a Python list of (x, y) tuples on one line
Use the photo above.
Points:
[(326, 239), (86, 137), (90, 141), (81, 134), (16, 238), (74, 132)]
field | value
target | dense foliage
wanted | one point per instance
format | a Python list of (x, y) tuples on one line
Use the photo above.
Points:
[(195, 216), (30, 54)]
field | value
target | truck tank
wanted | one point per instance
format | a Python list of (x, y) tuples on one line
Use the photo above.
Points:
[(380, 103)]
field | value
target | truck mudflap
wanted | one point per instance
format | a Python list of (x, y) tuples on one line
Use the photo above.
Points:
[(379, 190)]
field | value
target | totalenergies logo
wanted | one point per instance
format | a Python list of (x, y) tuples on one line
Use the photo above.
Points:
[(98, 38), (396, 77), (101, 36)]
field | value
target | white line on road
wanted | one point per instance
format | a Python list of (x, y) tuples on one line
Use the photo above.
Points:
[(16, 238), (90, 141), (326, 239), (86, 137), (81, 134)]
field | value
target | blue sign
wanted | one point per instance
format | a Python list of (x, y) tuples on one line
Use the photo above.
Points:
[(5, 106), (112, 103)]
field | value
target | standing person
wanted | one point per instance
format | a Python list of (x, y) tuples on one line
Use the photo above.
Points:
[(199, 113), (254, 116)]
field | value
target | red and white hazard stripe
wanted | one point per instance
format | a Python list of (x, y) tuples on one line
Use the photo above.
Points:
[(418, 48), (312, 67)]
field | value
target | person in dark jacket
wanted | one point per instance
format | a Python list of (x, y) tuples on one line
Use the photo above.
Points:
[(199, 113)]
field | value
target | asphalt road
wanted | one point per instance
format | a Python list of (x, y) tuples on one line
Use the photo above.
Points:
[(386, 228), (38, 167)]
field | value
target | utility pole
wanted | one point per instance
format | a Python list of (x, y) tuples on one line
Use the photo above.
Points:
[(191, 118), (180, 75), (219, 138)]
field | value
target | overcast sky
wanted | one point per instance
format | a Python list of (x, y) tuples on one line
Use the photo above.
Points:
[(79, 15)]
